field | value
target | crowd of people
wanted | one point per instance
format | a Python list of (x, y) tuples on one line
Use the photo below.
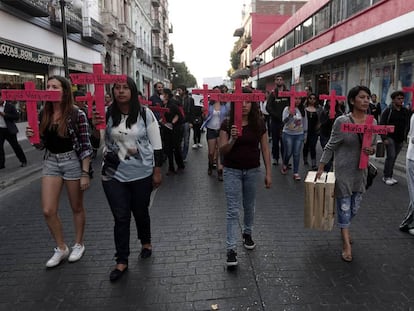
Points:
[(137, 143)]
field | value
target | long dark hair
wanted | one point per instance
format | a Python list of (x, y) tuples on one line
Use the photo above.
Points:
[(354, 92), (66, 106), (134, 106)]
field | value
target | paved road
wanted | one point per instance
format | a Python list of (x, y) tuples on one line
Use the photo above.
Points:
[(292, 268)]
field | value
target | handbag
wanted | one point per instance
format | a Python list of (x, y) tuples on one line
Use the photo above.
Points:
[(372, 172)]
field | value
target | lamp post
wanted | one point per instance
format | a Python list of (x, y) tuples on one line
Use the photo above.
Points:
[(173, 75), (63, 4), (257, 60), (64, 37)]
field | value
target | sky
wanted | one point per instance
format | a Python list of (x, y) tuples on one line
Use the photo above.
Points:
[(203, 34)]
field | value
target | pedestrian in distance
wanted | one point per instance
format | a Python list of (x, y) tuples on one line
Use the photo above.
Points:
[(350, 180), (274, 106), (172, 133), (132, 160), (241, 160), (217, 113), (294, 133), (312, 110), (407, 224), (186, 102), (8, 132), (196, 120), (64, 135), (398, 116)]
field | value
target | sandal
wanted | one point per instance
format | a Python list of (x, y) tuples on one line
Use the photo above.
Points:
[(346, 257)]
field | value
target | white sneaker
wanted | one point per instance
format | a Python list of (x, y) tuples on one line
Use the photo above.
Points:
[(394, 180), (200, 145), (57, 257), (388, 181), (77, 252), (195, 146), (411, 231)]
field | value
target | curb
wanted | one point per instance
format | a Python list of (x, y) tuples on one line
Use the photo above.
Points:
[(14, 178)]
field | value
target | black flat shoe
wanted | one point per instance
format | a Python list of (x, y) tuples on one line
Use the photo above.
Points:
[(24, 164), (146, 252), (116, 274)]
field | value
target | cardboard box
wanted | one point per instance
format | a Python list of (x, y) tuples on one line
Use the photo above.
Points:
[(319, 201)]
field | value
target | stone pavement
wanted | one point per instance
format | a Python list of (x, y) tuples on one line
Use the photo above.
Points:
[(292, 268)]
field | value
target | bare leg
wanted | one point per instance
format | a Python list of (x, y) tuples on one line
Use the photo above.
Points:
[(346, 246), (51, 189), (75, 195)]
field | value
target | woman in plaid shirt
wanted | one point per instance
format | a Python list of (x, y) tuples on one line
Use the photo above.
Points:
[(64, 135)]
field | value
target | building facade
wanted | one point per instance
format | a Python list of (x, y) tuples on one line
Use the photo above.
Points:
[(337, 44)]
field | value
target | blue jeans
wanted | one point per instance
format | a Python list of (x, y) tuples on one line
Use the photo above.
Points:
[(240, 189), (125, 198), (293, 145), (393, 149), (276, 127), (347, 207), (186, 140)]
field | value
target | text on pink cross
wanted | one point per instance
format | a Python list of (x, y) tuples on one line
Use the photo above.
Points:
[(31, 96)]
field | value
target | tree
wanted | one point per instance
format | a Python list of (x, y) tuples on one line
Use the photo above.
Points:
[(182, 76)]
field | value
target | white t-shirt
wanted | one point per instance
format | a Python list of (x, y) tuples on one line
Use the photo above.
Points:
[(2, 121), (410, 149)]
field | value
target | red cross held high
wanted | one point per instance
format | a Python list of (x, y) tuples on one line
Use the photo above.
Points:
[(293, 95), (158, 109), (410, 89), (332, 97), (88, 98), (238, 97), (31, 96), (367, 130), (98, 79), (205, 92)]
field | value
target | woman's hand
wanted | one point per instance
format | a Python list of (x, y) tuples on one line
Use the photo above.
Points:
[(234, 132), (84, 182), (97, 119), (29, 132), (268, 181), (369, 150), (156, 177), (320, 171)]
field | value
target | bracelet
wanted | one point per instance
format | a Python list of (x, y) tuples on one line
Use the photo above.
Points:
[(86, 172), (84, 175)]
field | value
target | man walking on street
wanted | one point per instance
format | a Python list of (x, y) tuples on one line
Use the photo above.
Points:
[(275, 106), (186, 102), (398, 116), (8, 131)]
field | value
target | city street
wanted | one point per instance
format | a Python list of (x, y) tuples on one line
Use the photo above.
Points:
[(292, 268)]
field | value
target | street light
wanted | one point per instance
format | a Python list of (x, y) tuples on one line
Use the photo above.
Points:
[(63, 4), (257, 60), (173, 75)]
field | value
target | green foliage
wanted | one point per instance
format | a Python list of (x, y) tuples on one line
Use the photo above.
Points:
[(183, 76)]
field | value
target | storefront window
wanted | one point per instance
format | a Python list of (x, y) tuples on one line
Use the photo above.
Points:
[(11, 79), (382, 73), (406, 75)]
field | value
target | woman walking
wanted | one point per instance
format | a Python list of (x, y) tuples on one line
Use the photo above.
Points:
[(350, 179), (64, 135), (241, 171), (131, 169)]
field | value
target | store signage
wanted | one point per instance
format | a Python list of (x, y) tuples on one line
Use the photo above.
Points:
[(29, 55)]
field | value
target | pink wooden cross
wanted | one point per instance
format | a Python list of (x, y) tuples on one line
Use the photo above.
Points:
[(99, 79), (205, 92), (367, 130), (144, 101), (88, 98), (293, 95), (160, 110), (332, 97), (31, 96), (238, 97), (410, 89)]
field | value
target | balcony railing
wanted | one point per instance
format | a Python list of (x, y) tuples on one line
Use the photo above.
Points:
[(127, 35), (73, 19), (93, 31), (155, 3), (156, 26), (156, 52), (36, 8), (110, 24)]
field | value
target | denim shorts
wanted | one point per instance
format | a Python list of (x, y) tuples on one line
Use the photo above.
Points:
[(212, 134), (65, 165)]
